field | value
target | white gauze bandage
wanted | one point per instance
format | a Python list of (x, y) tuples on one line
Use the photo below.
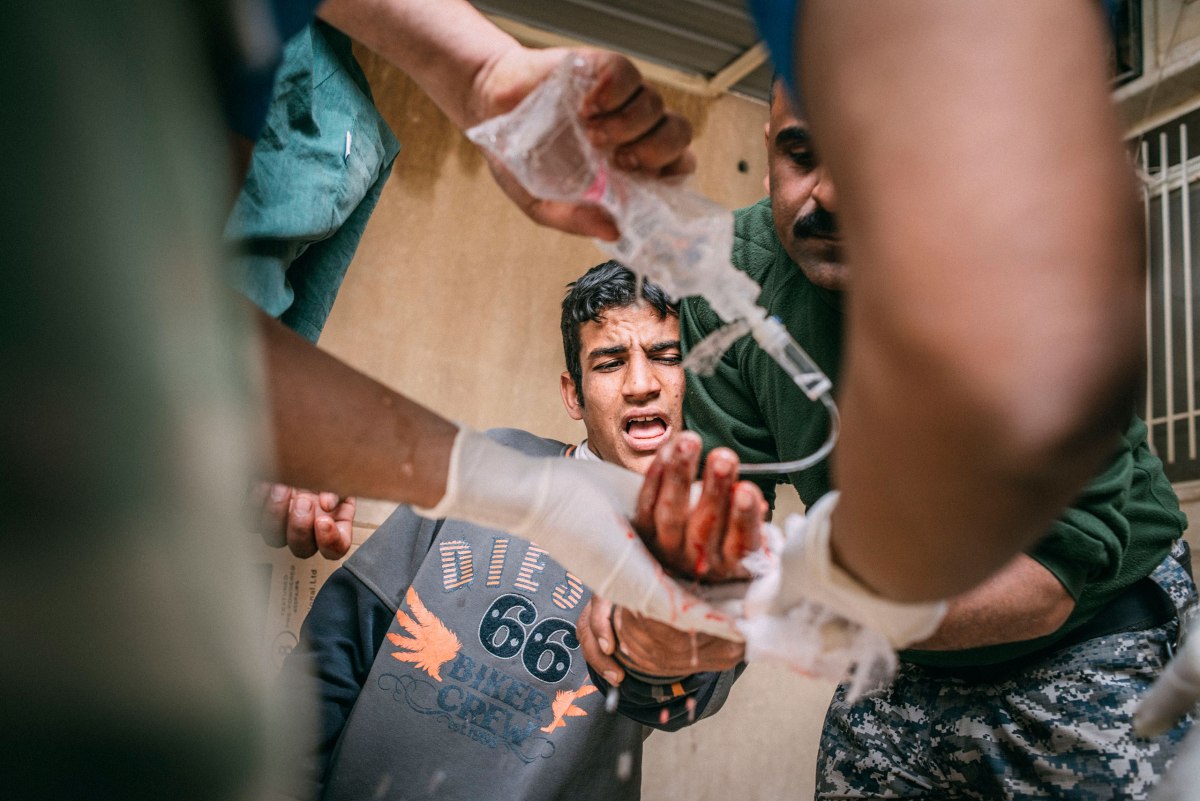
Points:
[(578, 511), (804, 610)]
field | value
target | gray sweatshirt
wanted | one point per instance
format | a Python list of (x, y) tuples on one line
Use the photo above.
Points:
[(447, 667)]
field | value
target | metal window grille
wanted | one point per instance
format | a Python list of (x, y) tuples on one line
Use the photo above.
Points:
[(1171, 201)]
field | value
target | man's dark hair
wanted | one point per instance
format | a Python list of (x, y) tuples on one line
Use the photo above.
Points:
[(605, 286)]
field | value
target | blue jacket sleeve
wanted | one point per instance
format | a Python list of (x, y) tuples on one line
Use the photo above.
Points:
[(336, 648), (670, 704)]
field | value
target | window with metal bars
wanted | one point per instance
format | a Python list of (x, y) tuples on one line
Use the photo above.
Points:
[(1170, 168)]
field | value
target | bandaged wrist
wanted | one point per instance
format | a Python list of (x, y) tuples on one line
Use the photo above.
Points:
[(808, 571), (805, 611)]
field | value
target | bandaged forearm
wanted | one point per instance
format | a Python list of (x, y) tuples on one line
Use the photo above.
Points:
[(805, 610), (576, 510)]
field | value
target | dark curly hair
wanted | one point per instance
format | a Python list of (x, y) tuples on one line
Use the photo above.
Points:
[(605, 286)]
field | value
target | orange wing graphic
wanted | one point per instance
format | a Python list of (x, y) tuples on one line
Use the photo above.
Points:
[(429, 644), (564, 705)]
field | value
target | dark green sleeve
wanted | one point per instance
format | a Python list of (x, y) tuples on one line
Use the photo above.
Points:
[(1086, 543), (750, 404), (721, 407), (1118, 529), (798, 426)]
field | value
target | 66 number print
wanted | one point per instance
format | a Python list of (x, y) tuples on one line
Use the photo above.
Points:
[(545, 649)]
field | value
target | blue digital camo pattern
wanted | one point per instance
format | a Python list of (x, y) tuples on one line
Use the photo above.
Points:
[(1059, 727)]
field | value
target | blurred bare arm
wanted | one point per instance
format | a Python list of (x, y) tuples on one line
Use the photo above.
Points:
[(996, 260), (364, 440)]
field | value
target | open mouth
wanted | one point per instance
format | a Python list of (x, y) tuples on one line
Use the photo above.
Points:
[(646, 433)]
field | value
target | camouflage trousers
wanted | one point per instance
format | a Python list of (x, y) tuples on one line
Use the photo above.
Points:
[(1058, 726)]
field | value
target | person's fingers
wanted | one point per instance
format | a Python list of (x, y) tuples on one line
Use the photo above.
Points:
[(637, 118), (674, 499), (581, 219), (591, 629), (617, 82), (332, 537), (329, 501), (273, 514), (654, 648), (623, 112), (745, 527), (643, 516), (336, 543), (649, 646), (258, 494), (706, 523), (682, 166), (631, 629), (645, 137), (301, 539), (646, 645), (602, 625), (345, 509), (663, 150), (573, 218)]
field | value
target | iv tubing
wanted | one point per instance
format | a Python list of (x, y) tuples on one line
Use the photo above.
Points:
[(808, 461)]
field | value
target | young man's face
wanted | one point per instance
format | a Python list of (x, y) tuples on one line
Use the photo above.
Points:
[(633, 384), (802, 198)]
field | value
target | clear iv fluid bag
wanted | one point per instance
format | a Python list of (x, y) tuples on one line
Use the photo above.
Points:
[(672, 236)]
